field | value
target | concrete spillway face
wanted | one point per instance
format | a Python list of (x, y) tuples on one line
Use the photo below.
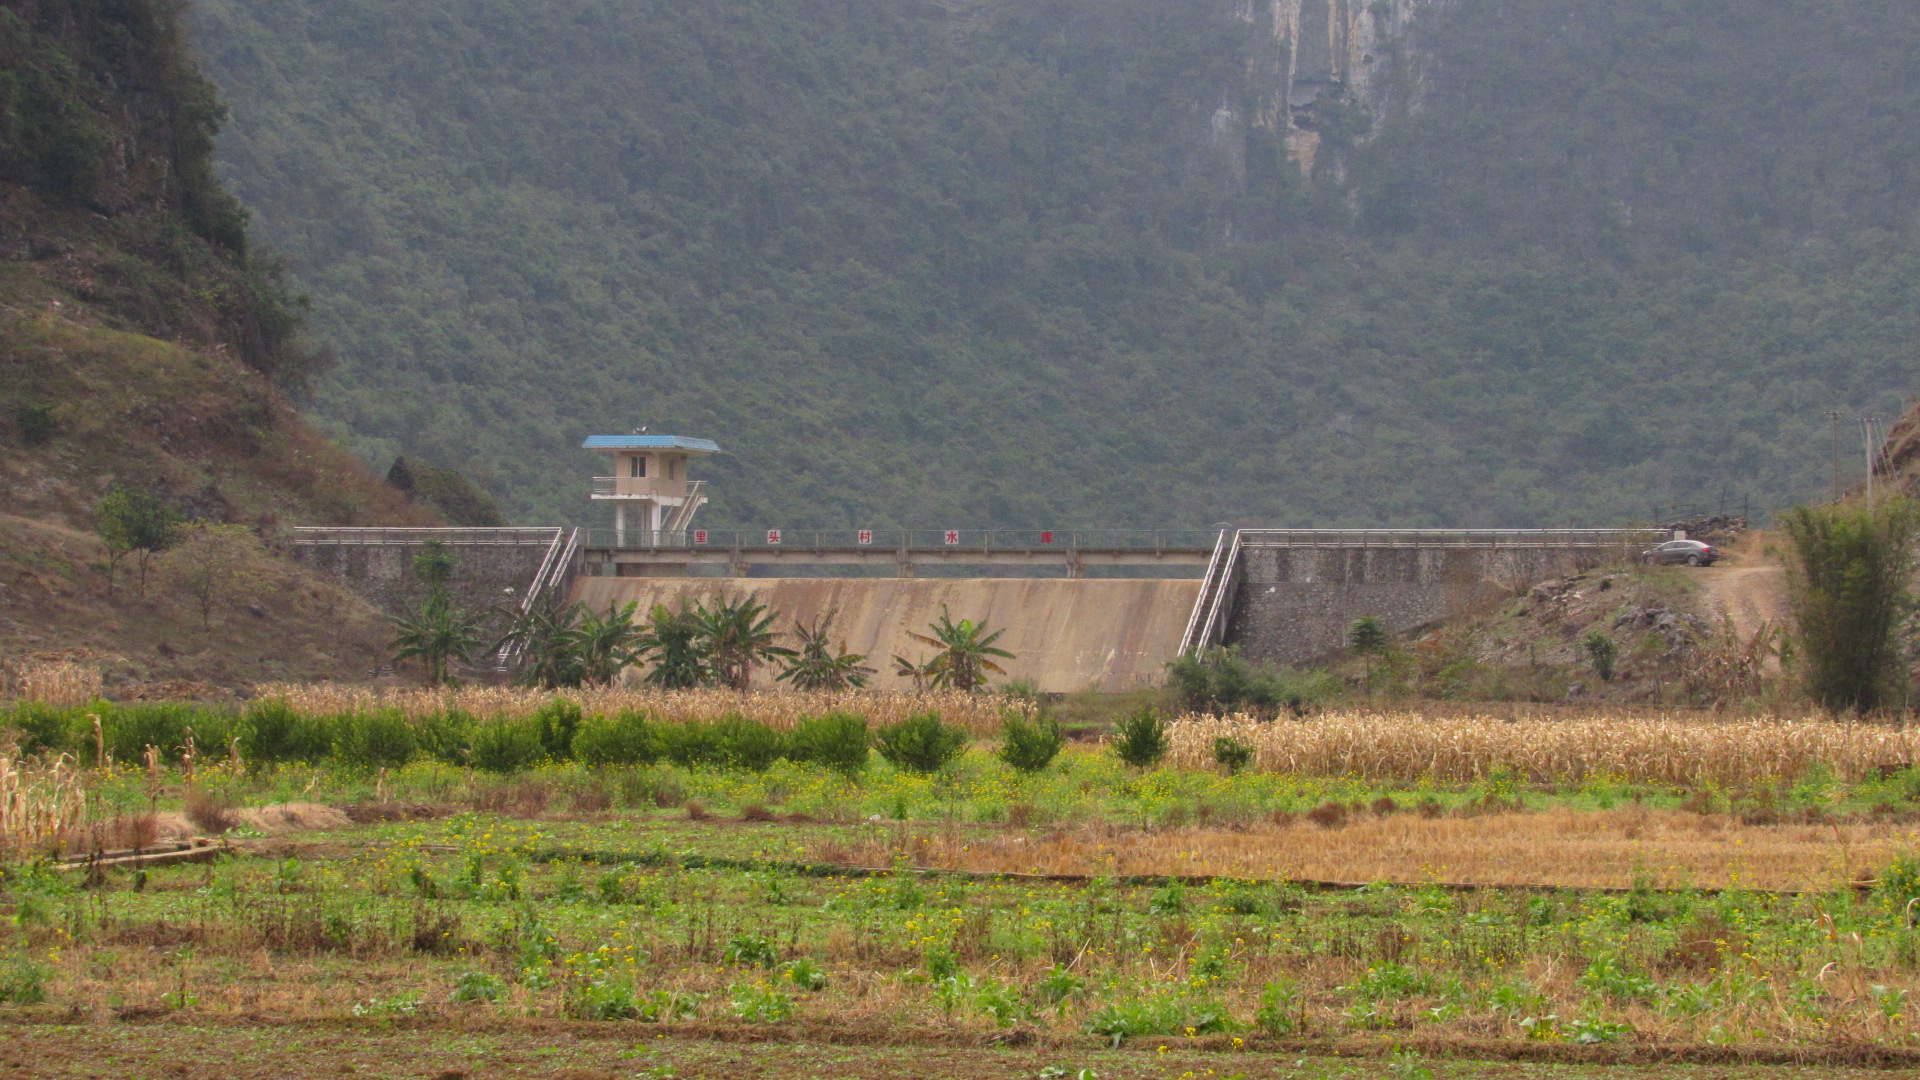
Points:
[(1066, 635)]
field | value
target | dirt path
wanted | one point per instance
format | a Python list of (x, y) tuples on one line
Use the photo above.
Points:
[(1748, 588)]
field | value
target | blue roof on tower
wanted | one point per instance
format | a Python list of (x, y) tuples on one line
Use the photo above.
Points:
[(651, 442)]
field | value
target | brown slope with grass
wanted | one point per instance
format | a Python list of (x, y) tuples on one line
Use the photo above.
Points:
[(144, 345)]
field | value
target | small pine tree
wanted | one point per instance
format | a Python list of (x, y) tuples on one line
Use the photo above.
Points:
[(1140, 739), (1029, 747), (1367, 638), (921, 743)]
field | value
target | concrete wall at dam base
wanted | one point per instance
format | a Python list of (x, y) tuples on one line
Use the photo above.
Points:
[(1066, 635)]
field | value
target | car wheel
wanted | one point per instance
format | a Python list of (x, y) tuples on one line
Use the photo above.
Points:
[(1693, 560)]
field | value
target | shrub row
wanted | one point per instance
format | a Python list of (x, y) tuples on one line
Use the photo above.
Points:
[(269, 732)]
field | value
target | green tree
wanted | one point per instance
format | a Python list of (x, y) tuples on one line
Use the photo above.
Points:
[(543, 642), (134, 521), (921, 743), (674, 643), (1029, 745), (608, 643), (1602, 651), (966, 652), (738, 635), (215, 565), (1367, 638), (439, 633), (1848, 571), (433, 565), (817, 666), (1140, 738)]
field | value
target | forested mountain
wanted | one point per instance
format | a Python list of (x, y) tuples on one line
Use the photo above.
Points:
[(1055, 262)]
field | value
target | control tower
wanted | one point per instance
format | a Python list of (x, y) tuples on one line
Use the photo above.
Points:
[(649, 476)]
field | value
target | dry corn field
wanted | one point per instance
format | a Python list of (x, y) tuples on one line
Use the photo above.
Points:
[(1608, 849), (41, 804), (980, 714), (68, 685), (1410, 748)]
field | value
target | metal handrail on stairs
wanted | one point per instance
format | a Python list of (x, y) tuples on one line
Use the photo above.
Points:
[(1190, 640), (682, 515), (552, 568)]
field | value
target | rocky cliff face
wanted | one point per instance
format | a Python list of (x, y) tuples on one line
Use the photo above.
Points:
[(1318, 76), (1327, 70)]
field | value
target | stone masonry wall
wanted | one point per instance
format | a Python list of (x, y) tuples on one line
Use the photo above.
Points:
[(383, 573), (1293, 605)]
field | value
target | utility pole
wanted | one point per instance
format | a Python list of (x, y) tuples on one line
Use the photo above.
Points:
[(1833, 454), (1866, 440)]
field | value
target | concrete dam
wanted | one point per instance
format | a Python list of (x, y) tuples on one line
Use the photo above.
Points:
[(1080, 610)]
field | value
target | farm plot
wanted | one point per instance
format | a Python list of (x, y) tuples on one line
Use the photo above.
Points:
[(763, 891), (494, 922)]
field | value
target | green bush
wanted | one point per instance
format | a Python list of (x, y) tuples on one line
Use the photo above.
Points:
[(1231, 753), (921, 743), (690, 744), (23, 980), (625, 738), (271, 731), (1029, 747), (741, 743), (130, 729), (1140, 739), (373, 739), (1219, 682), (505, 744), (47, 728), (445, 736), (1601, 651), (558, 720), (839, 741), (35, 424)]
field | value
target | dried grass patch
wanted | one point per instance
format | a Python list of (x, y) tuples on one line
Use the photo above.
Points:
[(980, 714), (1413, 747), (1557, 848)]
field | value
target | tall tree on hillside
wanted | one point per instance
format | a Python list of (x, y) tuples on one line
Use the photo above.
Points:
[(134, 522), (214, 565)]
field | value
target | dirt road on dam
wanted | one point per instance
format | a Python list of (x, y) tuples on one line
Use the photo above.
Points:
[(1066, 635)]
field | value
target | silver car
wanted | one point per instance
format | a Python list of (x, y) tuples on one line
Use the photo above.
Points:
[(1676, 552)]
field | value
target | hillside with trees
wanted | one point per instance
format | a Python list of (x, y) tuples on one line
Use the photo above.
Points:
[(150, 453), (1045, 264)]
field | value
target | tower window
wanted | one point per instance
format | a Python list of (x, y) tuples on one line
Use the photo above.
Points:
[(639, 466)]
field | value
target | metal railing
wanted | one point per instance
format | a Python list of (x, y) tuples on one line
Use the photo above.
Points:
[(952, 541), (1449, 538), (395, 536), (682, 515), (1217, 572), (611, 487)]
